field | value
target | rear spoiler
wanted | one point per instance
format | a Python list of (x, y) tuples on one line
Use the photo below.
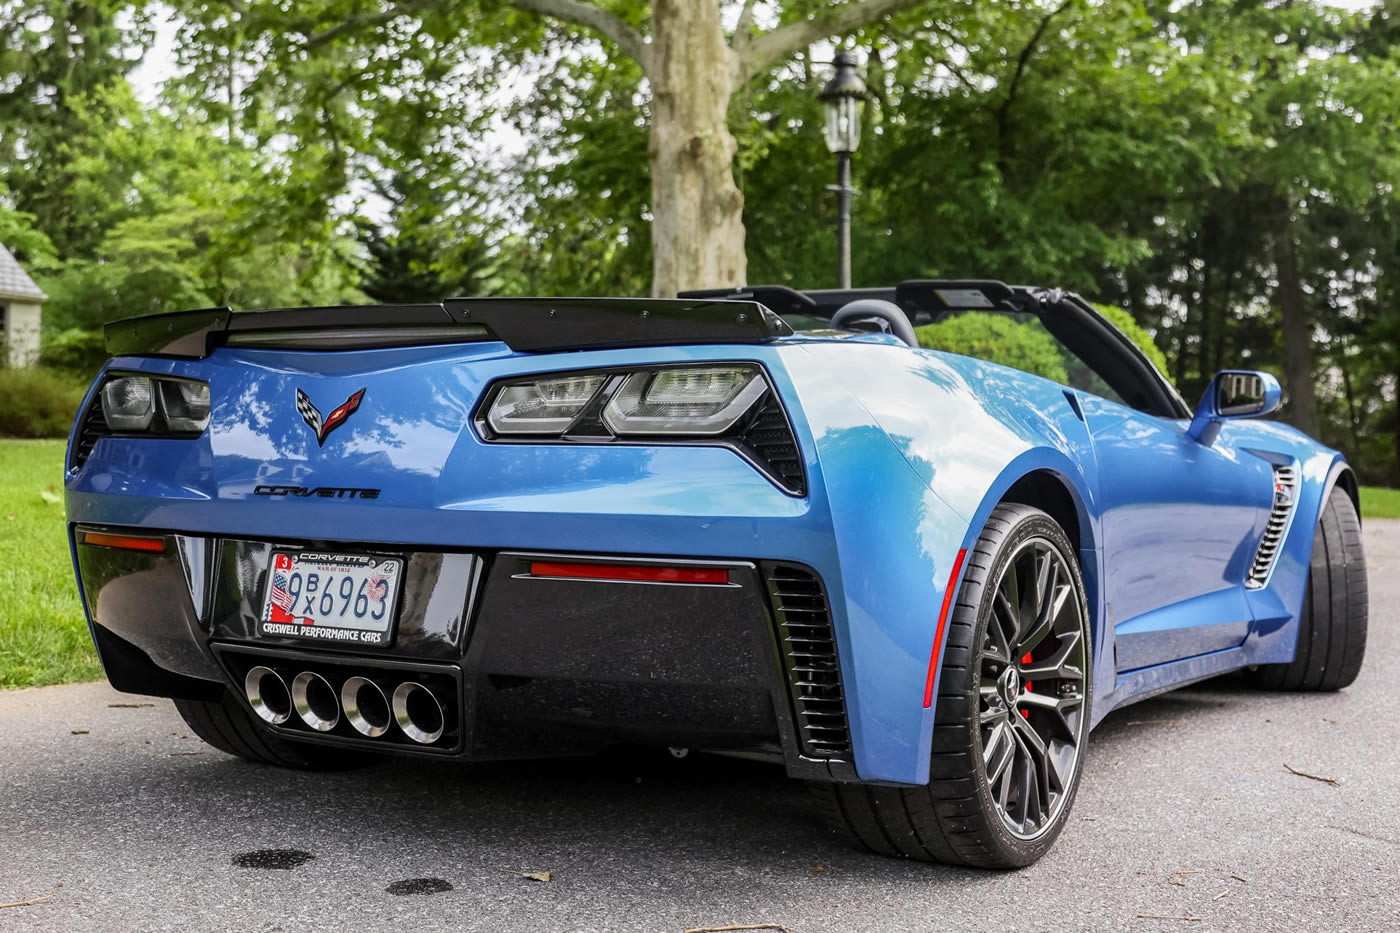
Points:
[(525, 324)]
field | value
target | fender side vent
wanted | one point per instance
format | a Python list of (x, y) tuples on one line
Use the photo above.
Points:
[(94, 429), (808, 647), (1285, 495)]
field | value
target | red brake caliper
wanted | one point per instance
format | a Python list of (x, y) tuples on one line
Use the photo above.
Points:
[(1026, 660)]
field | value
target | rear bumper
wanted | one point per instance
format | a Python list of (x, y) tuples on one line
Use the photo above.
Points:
[(529, 665)]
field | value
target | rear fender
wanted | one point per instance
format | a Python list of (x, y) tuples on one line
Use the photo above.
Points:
[(915, 449)]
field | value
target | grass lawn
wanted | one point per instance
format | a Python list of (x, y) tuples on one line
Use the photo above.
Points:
[(1379, 502), (43, 636)]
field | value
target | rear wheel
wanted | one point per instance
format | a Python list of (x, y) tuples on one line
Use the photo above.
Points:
[(228, 725), (1332, 626), (1011, 715)]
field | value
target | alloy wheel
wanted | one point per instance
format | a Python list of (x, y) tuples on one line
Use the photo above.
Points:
[(1031, 688)]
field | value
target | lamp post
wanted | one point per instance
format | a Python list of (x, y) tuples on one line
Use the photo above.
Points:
[(844, 96)]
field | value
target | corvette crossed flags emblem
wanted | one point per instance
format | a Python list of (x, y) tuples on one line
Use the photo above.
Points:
[(312, 415)]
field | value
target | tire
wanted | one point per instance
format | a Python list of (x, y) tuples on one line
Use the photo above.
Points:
[(227, 725), (961, 817), (1332, 625)]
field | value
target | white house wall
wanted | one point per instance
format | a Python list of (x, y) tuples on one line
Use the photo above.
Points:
[(22, 332)]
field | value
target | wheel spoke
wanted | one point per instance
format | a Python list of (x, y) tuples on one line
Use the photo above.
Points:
[(998, 647), (1064, 664), (991, 704), (1062, 707), (1045, 572), (1000, 748), (1060, 759), (1038, 755), (1024, 776), (1010, 593), (1045, 622)]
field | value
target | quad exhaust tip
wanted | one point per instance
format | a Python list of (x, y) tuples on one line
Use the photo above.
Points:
[(418, 713), (315, 701), (415, 709), (268, 695), (366, 707)]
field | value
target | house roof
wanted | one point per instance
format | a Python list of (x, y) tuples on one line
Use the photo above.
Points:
[(14, 281)]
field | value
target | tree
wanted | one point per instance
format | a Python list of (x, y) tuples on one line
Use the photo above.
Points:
[(692, 66)]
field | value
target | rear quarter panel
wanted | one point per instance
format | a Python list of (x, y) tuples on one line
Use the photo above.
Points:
[(965, 430)]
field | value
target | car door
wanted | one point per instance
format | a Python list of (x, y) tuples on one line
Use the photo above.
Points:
[(1180, 521)]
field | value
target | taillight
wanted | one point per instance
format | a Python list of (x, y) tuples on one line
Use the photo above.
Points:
[(693, 401), (156, 405)]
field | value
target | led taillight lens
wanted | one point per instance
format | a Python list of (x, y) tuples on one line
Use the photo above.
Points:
[(698, 400), (128, 403), (542, 406), (185, 405)]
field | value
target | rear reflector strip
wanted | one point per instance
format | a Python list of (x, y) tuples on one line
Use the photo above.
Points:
[(942, 626), (123, 542), (650, 574)]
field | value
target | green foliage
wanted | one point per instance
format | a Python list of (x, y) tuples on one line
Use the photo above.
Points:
[(1136, 333), (38, 402), (76, 352), (43, 633), (1171, 160), (998, 338)]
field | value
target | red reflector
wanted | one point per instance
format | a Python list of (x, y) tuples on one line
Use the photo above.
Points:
[(125, 542), (629, 572), (942, 625)]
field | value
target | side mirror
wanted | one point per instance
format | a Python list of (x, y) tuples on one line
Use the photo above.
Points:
[(1233, 393)]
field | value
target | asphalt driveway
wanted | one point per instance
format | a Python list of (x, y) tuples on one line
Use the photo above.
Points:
[(1189, 818)]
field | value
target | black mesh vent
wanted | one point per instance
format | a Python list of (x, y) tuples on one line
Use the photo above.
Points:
[(1285, 493), (809, 656), (94, 428), (768, 439)]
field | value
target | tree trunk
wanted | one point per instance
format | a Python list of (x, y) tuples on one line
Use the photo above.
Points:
[(1297, 338), (697, 228)]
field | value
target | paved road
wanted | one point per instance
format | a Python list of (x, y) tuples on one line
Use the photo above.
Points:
[(1186, 811)]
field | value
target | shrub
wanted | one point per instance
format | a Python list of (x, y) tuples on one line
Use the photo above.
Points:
[(998, 338), (1134, 331), (75, 351), (38, 402)]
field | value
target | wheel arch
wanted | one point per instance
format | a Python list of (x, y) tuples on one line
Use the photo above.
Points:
[(1344, 476), (1047, 479), (1050, 492)]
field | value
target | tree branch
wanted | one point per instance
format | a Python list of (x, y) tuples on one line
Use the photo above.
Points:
[(624, 36), (364, 21), (777, 43), (957, 72), (1022, 60), (745, 23)]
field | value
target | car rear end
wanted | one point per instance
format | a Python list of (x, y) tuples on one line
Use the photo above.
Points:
[(408, 535)]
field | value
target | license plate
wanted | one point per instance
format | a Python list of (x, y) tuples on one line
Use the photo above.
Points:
[(345, 598)]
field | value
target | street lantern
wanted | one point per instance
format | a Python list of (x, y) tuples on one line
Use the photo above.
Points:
[(844, 97)]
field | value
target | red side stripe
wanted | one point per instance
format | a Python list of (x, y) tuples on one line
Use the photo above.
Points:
[(948, 595)]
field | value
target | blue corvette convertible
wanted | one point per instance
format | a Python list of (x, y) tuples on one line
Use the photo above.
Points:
[(760, 522)]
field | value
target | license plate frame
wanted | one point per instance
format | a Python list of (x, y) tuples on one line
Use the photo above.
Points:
[(301, 614)]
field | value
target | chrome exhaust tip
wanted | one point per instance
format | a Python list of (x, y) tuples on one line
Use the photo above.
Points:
[(366, 707), (268, 695), (315, 701), (418, 713)]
